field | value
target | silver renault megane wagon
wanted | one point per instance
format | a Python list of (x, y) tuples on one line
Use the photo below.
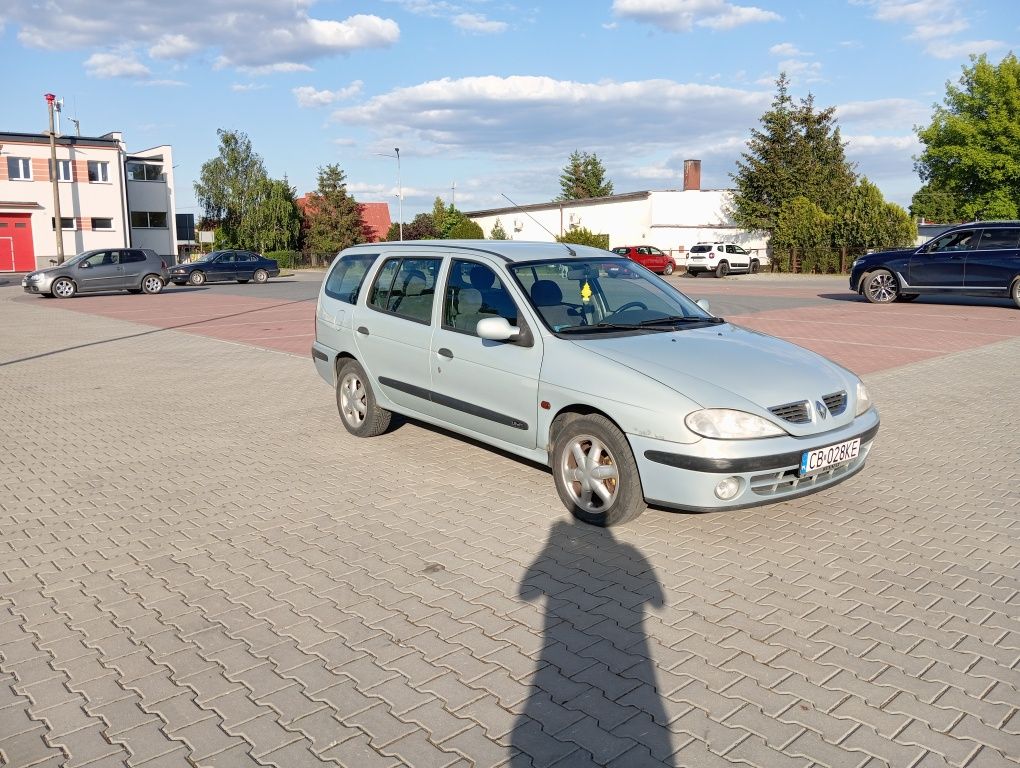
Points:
[(631, 392)]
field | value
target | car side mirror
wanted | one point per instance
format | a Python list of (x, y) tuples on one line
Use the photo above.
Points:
[(496, 329), (84, 265), (703, 304)]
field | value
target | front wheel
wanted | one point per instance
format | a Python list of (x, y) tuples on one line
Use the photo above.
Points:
[(1014, 292), (595, 472), (260, 276), (359, 411), (723, 269), (64, 288), (753, 269), (197, 277), (668, 269), (880, 287), (152, 284)]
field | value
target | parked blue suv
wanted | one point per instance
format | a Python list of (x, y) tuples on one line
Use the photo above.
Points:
[(978, 259)]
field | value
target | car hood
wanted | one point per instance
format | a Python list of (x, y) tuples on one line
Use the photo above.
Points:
[(885, 255), (49, 271), (726, 366)]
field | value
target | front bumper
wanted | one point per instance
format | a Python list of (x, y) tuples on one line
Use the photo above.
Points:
[(685, 476), (36, 287)]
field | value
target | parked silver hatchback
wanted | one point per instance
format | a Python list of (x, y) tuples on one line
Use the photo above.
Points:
[(630, 391), (135, 270)]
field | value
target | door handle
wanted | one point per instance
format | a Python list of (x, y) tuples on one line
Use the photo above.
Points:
[(363, 330), (444, 352)]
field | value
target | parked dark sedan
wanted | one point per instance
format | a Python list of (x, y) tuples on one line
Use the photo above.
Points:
[(219, 266), (978, 259)]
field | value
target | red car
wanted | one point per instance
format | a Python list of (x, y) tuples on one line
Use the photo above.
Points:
[(648, 256)]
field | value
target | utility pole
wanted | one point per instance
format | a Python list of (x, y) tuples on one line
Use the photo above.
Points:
[(453, 195), (54, 175), (400, 196)]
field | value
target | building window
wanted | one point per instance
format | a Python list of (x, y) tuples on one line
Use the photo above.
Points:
[(148, 219), (99, 170), (102, 223), (145, 171), (19, 169), (63, 170), (66, 222)]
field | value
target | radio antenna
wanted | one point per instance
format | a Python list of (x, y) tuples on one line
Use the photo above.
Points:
[(569, 249)]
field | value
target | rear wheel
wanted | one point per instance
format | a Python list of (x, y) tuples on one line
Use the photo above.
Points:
[(359, 411), (197, 277), (668, 269), (152, 284), (723, 269), (63, 288), (880, 287), (595, 472), (260, 276)]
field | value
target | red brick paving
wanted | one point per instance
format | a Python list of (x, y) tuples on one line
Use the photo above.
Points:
[(860, 336)]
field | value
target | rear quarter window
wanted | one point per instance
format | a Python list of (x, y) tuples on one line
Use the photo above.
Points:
[(347, 276)]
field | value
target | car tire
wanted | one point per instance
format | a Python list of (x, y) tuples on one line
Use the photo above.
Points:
[(613, 495), (753, 269), (879, 287), (905, 297), (1014, 292), (359, 411), (260, 276), (63, 288), (152, 284), (668, 269), (196, 278), (242, 281), (722, 269)]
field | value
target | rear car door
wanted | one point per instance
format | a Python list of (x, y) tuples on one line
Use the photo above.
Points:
[(488, 387), (995, 261), (941, 263), (244, 265), (393, 327)]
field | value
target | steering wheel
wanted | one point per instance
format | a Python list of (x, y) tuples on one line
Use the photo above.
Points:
[(631, 305)]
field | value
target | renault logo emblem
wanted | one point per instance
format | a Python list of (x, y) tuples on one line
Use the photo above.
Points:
[(822, 410)]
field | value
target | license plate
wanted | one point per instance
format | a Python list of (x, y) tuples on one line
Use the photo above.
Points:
[(821, 458)]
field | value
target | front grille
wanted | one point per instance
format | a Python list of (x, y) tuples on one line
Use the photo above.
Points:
[(795, 413), (785, 481), (836, 402)]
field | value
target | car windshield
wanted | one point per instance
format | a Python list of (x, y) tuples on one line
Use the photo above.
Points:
[(76, 259), (605, 295)]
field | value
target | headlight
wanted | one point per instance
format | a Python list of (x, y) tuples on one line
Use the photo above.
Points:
[(34, 278), (863, 400), (854, 264), (724, 424)]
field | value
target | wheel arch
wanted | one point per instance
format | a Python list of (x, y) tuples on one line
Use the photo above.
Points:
[(568, 413)]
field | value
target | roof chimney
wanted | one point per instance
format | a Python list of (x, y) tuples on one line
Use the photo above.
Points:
[(692, 175)]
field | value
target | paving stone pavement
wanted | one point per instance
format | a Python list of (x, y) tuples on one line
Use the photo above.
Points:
[(199, 567)]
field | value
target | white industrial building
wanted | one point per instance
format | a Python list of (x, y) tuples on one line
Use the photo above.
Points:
[(671, 219), (109, 197)]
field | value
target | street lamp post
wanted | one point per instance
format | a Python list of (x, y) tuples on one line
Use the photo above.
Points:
[(54, 175), (400, 190)]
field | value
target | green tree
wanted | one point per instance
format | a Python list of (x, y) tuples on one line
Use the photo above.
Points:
[(228, 188), (584, 236), (935, 205), (583, 177), (332, 215), (972, 146), (899, 230), (421, 227), (797, 152), (865, 220), (465, 229), (498, 233), (802, 238), (274, 224), (439, 216)]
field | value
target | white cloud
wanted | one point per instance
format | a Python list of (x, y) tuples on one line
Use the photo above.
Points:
[(124, 64), (247, 87), (883, 114), (943, 49), (477, 23), (307, 96), (259, 35), (683, 15), (787, 49)]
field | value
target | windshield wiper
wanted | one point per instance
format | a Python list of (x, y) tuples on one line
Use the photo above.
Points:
[(665, 323), (677, 319)]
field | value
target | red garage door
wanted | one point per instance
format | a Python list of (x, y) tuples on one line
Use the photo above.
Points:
[(16, 251)]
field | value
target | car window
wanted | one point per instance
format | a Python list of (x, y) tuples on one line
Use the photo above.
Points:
[(346, 278), (656, 251), (737, 249), (999, 239), (406, 287), (128, 257), (102, 257), (954, 241), (701, 248), (474, 292), (621, 250)]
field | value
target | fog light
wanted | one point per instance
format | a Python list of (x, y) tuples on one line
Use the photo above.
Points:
[(728, 488)]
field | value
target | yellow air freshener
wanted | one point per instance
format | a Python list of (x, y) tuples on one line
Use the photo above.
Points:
[(586, 293)]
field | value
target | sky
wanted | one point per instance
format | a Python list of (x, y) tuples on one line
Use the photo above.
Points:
[(486, 98)]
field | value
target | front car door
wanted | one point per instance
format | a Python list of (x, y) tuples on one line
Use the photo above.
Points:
[(995, 262), (487, 387), (222, 267), (393, 327), (940, 263), (100, 272), (133, 266), (737, 256)]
